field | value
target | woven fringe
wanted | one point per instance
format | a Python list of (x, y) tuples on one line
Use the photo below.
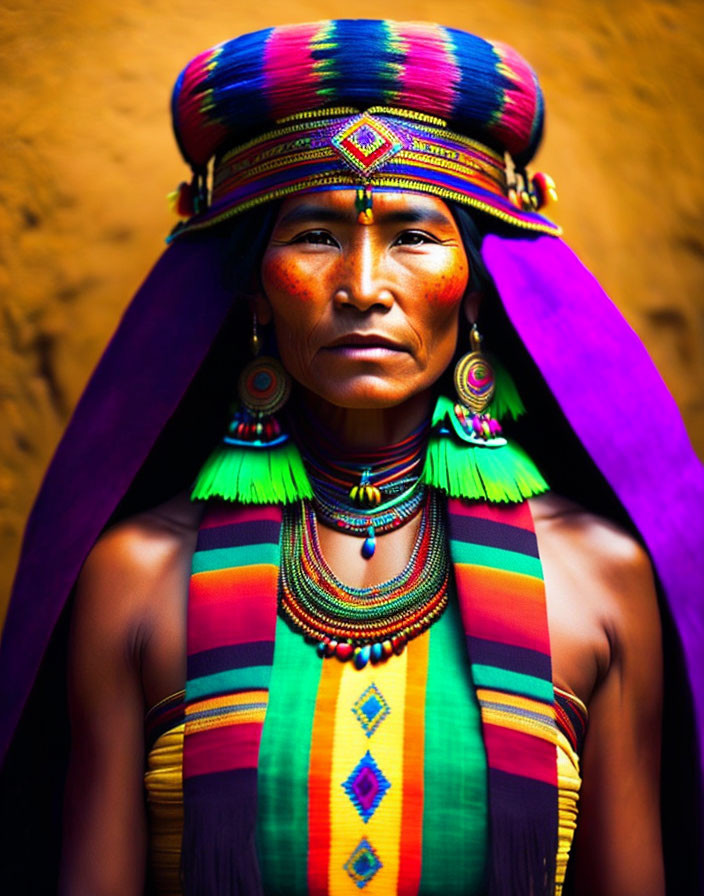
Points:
[(522, 855), (497, 475), (256, 475), (218, 853)]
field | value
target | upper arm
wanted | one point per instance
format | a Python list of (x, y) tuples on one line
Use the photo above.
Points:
[(104, 832), (618, 846)]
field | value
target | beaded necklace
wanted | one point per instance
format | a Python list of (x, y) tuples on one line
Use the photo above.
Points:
[(367, 624), (366, 494)]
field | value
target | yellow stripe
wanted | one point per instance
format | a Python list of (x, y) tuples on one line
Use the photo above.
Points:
[(487, 695), (544, 730), (257, 696), (239, 706), (237, 717), (386, 747)]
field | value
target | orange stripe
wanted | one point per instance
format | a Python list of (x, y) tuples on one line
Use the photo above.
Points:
[(519, 621), (413, 766), (319, 774), (225, 606)]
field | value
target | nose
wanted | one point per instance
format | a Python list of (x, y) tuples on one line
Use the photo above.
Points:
[(363, 284)]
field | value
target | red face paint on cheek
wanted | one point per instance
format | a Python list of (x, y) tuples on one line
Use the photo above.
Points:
[(282, 276), (449, 286)]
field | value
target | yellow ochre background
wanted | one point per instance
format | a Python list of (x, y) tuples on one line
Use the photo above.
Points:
[(87, 158)]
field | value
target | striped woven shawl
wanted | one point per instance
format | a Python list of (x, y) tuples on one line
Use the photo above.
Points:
[(231, 624)]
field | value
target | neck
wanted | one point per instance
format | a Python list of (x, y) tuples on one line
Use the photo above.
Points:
[(367, 429)]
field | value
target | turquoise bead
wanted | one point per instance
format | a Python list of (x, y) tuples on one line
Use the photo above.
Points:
[(377, 653), (361, 656), (369, 545)]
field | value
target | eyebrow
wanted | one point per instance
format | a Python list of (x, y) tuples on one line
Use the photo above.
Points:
[(311, 212)]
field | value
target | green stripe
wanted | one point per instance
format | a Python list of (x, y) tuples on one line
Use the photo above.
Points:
[(512, 682), (229, 680), (242, 555), (284, 757), (495, 558), (455, 824)]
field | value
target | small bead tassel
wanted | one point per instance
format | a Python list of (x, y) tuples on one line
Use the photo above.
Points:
[(369, 543), (363, 205)]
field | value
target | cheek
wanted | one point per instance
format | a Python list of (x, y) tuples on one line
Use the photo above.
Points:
[(283, 278), (449, 286)]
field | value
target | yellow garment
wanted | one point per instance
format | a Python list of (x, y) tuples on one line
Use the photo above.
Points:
[(568, 783), (164, 787), (163, 784)]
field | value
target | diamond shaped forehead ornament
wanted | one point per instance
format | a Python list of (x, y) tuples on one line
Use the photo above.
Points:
[(366, 143)]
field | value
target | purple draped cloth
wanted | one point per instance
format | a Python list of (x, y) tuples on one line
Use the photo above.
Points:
[(160, 342), (619, 407)]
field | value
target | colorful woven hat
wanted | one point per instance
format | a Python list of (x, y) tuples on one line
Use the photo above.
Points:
[(360, 103)]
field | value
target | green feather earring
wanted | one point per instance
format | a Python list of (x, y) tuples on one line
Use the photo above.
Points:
[(256, 462), (467, 455)]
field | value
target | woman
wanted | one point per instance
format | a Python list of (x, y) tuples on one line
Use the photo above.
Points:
[(460, 671)]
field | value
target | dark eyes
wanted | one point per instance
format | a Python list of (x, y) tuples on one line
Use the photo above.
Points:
[(413, 238), (316, 238), (325, 238)]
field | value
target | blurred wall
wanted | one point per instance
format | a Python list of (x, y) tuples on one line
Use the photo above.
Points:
[(87, 159)]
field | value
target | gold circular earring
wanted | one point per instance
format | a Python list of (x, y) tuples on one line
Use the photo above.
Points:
[(474, 376)]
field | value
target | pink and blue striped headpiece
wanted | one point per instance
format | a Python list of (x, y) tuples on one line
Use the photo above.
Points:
[(360, 103)]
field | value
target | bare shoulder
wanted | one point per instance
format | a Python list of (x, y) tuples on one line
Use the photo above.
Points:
[(604, 569), (585, 538), (131, 562), (143, 544)]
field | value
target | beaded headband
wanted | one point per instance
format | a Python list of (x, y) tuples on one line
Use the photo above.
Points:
[(365, 104)]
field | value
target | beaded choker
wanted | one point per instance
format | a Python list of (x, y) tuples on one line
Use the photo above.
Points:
[(367, 495), (365, 624)]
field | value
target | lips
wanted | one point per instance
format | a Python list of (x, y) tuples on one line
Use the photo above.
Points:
[(366, 341)]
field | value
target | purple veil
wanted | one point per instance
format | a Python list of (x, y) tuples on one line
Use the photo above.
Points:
[(605, 384)]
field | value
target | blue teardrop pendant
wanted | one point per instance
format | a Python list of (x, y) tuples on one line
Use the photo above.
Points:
[(369, 545)]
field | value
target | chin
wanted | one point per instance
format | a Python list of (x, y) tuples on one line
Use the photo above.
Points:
[(368, 396)]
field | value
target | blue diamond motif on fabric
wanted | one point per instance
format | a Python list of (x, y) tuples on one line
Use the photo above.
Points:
[(366, 786), (363, 864), (371, 709)]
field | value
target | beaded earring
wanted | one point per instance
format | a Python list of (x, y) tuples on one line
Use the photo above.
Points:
[(475, 385), (256, 462), (263, 387), (467, 455)]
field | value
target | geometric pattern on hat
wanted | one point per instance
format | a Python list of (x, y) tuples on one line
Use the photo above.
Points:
[(365, 143), (466, 102), (385, 148)]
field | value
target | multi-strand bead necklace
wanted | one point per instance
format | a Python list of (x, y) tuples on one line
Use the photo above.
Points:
[(362, 624), (366, 494)]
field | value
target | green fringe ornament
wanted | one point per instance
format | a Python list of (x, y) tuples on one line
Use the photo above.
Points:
[(251, 473), (462, 467)]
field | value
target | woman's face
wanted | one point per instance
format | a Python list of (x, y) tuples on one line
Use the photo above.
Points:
[(366, 315)]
